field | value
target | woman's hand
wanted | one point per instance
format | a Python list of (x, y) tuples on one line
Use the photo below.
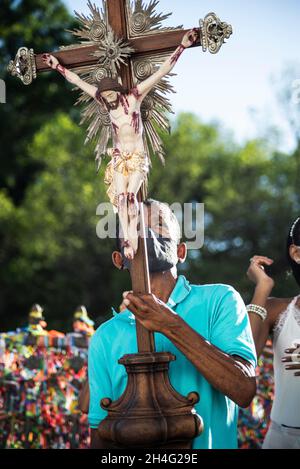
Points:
[(50, 60), (190, 38), (292, 357), (256, 272)]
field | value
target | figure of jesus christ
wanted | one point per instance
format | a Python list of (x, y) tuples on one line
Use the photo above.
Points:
[(129, 165)]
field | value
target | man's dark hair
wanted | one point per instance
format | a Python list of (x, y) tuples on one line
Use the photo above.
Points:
[(164, 208)]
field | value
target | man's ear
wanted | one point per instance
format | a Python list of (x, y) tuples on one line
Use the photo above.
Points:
[(181, 252), (117, 260)]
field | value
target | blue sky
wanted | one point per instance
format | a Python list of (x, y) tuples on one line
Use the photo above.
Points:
[(236, 86)]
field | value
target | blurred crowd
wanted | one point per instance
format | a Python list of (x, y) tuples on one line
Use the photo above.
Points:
[(254, 421), (42, 373)]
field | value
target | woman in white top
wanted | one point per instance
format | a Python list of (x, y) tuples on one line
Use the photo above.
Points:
[(280, 318)]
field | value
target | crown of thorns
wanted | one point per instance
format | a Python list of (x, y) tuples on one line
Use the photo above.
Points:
[(110, 84)]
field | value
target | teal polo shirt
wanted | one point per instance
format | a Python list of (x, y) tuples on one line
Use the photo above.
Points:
[(218, 313)]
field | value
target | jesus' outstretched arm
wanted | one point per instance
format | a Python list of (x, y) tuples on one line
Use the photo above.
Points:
[(187, 41), (70, 76)]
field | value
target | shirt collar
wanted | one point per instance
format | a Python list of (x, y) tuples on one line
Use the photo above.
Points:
[(179, 293)]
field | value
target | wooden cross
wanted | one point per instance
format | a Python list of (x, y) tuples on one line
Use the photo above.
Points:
[(212, 34), (157, 43)]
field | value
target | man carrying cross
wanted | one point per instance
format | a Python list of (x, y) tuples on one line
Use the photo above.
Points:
[(205, 326), (129, 164)]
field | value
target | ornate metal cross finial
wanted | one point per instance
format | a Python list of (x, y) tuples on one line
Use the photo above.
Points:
[(213, 33), (23, 66)]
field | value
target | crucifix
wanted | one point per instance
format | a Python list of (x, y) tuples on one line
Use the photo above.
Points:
[(125, 39)]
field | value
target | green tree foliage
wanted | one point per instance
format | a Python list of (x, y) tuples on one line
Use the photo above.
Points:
[(50, 248), (249, 199), (37, 24), (50, 251), (288, 95)]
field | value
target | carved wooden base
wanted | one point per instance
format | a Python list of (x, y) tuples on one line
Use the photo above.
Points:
[(150, 413)]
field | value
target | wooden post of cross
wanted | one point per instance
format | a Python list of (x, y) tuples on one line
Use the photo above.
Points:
[(139, 270)]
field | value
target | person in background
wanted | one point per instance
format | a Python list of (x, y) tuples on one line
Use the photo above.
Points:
[(36, 321), (280, 318), (82, 323), (83, 328)]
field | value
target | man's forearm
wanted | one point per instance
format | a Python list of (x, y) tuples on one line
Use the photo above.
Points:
[(227, 374), (231, 375)]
